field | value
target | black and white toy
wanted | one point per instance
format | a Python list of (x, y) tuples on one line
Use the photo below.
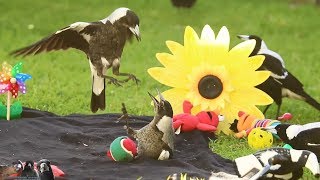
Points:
[(156, 139), (102, 41), (281, 83), (277, 163), (28, 170), (305, 137), (44, 169)]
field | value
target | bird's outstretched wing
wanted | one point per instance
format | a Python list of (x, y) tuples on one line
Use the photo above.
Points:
[(76, 35)]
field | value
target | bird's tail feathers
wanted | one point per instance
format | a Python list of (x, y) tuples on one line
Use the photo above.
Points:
[(312, 101), (98, 94)]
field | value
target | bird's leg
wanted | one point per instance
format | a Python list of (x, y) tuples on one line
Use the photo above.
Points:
[(278, 111), (266, 109), (130, 76), (116, 72), (112, 80), (124, 115)]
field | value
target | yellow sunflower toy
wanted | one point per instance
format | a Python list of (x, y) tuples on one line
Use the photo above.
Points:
[(209, 75)]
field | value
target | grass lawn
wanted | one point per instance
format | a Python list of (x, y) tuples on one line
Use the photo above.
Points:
[(61, 81)]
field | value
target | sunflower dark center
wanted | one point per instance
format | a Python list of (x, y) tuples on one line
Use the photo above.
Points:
[(210, 87)]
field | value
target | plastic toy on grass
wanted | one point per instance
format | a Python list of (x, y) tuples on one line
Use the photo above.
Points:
[(12, 81), (246, 122), (15, 110), (259, 139), (209, 75)]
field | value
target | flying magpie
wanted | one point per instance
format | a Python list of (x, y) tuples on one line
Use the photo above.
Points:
[(102, 41), (281, 83)]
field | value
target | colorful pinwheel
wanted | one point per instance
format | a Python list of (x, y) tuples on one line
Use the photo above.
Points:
[(12, 81)]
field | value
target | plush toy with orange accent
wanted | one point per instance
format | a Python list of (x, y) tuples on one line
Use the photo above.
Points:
[(203, 121), (247, 122)]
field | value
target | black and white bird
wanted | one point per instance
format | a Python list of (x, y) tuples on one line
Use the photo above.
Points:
[(102, 41), (277, 163), (299, 136), (45, 170), (28, 170), (281, 83), (156, 139)]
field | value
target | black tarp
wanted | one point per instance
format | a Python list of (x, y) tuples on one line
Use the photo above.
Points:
[(78, 145)]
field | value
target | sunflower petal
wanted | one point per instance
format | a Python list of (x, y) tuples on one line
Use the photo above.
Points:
[(190, 37), (243, 49), (260, 77), (249, 97), (223, 38), (169, 78), (174, 47), (247, 79), (176, 97), (253, 110), (166, 59), (207, 34), (255, 61)]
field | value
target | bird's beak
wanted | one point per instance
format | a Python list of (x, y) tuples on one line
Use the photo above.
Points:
[(243, 37), (136, 32), (155, 101), (270, 129), (313, 165), (160, 96)]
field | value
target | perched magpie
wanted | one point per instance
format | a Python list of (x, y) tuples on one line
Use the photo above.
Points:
[(102, 41), (156, 139), (281, 83), (278, 163), (28, 170), (299, 136), (44, 169)]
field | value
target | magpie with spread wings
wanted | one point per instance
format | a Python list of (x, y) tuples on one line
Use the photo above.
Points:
[(102, 41)]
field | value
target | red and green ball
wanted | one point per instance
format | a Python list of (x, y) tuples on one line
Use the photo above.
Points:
[(122, 149)]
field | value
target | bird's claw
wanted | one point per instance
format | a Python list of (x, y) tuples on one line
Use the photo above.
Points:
[(133, 78), (114, 81)]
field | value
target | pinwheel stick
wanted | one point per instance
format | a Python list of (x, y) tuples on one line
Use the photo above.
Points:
[(8, 105)]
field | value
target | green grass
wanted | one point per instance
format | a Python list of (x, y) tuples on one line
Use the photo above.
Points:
[(61, 81)]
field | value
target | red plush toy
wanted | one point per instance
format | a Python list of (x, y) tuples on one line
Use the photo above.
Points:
[(203, 121)]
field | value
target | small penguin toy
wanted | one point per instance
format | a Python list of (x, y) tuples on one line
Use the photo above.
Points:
[(11, 170), (45, 170), (277, 163), (28, 170), (299, 136), (156, 139)]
